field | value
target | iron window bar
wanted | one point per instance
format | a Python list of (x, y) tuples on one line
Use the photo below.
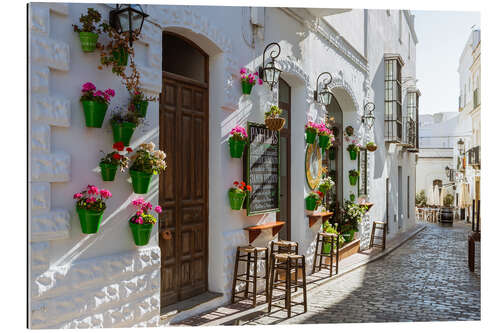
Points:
[(393, 116)]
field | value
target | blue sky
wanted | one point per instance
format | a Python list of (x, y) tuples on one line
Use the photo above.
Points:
[(442, 36)]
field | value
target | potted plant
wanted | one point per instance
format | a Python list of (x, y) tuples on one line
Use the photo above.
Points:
[(313, 199), (146, 163), (326, 137), (351, 217), (237, 141), (325, 184), (237, 194), (123, 124), (273, 121), (88, 32), (248, 80), (353, 149), (90, 207), (139, 103), (353, 176), (110, 162), (311, 132), (328, 228), (116, 52), (95, 104), (352, 196), (141, 223), (371, 146), (349, 131)]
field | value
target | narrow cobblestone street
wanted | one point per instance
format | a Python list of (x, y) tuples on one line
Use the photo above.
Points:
[(426, 279)]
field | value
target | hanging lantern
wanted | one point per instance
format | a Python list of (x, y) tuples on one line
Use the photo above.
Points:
[(324, 96), (269, 73), (368, 118), (127, 18)]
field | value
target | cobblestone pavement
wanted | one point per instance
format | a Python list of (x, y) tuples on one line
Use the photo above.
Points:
[(426, 279)]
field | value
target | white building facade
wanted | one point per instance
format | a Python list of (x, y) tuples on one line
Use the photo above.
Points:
[(104, 280)]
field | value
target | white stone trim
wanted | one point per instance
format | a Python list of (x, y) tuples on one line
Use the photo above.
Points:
[(50, 226)]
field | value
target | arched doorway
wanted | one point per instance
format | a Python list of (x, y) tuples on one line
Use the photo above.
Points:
[(285, 103), (335, 156), (183, 189)]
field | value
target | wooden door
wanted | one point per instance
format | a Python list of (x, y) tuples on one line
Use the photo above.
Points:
[(183, 188)]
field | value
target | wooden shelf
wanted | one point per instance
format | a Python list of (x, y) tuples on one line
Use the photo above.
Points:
[(316, 216), (254, 231)]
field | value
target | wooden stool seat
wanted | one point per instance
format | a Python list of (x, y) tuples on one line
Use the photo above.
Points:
[(285, 243), (252, 249), (380, 225), (325, 238), (326, 234)]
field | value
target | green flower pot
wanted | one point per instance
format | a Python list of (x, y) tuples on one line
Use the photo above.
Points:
[(310, 137), (89, 220), (236, 148), (331, 154), (94, 113), (108, 171), (353, 154), (323, 188), (311, 203), (120, 56), (141, 233), (88, 41), (140, 181), (246, 87), (123, 132), (327, 247), (353, 180), (236, 199), (323, 141), (352, 197), (141, 108)]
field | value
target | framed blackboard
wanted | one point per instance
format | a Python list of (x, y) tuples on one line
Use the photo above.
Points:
[(262, 160)]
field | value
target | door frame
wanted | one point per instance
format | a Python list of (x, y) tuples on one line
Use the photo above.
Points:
[(206, 143), (287, 132)]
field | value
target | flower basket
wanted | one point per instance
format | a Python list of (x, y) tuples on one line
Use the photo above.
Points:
[(246, 87), (108, 171), (120, 56), (353, 154), (310, 137), (141, 108), (123, 132), (89, 220), (371, 147), (88, 41), (275, 124), (236, 199), (352, 197), (141, 233), (94, 113), (140, 181), (236, 148), (311, 203), (353, 180), (324, 140)]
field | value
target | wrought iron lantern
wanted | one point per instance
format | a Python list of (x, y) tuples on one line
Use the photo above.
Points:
[(461, 146), (127, 18), (324, 96), (269, 73), (368, 118)]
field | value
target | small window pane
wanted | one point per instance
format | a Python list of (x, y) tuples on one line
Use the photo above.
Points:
[(182, 58)]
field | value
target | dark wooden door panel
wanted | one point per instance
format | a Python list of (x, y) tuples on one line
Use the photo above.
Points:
[(184, 189)]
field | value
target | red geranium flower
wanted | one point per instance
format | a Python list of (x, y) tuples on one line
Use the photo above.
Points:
[(249, 188), (235, 183), (117, 156), (243, 183), (118, 146), (129, 149)]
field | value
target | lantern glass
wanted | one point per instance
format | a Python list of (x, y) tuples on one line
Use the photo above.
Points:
[(325, 97), (370, 120), (137, 17), (123, 19), (271, 74)]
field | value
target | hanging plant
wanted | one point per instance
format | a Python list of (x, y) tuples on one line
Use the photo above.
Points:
[(248, 80), (237, 141), (273, 120), (146, 163), (353, 177), (325, 184), (237, 194), (352, 197), (139, 103), (142, 222), (371, 146), (95, 103), (116, 52), (123, 123), (111, 161), (311, 132), (349, 131), (326, 137), (353, 149), (313, 200), (90, 207), (88, 32)]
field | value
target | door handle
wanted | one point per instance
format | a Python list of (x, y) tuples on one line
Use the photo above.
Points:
[(166, 235)]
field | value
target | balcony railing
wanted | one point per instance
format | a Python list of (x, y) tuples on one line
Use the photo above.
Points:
[(409, 132), (474, 157)]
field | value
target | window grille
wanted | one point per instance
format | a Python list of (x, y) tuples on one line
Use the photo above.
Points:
[(410, 122), (393, 109)]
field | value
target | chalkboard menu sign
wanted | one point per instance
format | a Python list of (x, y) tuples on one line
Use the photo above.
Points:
[(262, 169)]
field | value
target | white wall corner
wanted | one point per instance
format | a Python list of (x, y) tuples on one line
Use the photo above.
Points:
[(39, 20), (49, 52), (51, 110), (40, 138), (53, 167), (40, 197), (39, 77), (50, 226)]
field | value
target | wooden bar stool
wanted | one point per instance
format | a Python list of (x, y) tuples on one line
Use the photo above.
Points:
[(283, 246), (250, 254), (325, 238), (287, 262), (380, 225)]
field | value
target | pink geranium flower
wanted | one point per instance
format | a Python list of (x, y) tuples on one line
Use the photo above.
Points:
[(158, 209), (110, 92), (89, 86), (77, 196)]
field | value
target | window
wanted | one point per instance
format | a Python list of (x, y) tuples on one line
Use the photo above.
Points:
[(362, 166), (408, 197), (187, 60), (411, 119), (393, 109)]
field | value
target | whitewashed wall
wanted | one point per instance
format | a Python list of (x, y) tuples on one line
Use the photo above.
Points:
[(103, 280)]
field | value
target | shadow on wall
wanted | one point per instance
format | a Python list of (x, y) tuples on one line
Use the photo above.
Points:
[(379, 126)]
